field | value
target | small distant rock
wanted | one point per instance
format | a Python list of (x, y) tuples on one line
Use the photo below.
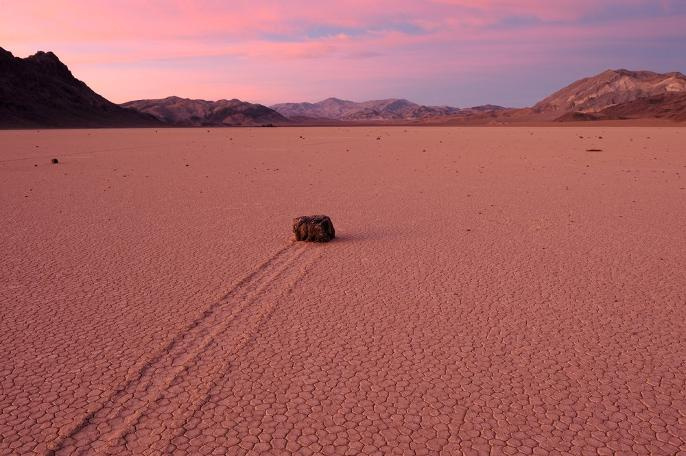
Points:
[(54, 161), (313, 228)]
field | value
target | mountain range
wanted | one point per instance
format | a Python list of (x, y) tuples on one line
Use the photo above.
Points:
[(374, 110), (40, 91)]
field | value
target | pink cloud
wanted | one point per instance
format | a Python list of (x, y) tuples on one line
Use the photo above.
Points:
[(271, 50), (104, 20)]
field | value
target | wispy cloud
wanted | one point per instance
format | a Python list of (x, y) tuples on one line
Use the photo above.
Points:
[(434, 50)]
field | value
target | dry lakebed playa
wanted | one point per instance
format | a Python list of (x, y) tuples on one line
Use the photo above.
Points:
[(490, 291)]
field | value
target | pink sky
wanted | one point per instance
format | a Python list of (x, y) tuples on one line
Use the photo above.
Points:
[(457, 52)]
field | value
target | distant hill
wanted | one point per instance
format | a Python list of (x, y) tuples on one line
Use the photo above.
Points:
[(374, 110), (187, 112), (613, 88), (39, 91)]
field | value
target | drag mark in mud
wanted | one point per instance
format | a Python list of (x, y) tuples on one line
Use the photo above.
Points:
[(229, 322)]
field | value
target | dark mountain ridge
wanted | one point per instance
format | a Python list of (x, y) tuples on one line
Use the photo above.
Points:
[(40, 91)]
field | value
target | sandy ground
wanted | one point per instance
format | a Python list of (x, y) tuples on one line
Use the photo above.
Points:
[(492, 291)]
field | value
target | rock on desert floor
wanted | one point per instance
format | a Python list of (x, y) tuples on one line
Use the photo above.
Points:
[(490, 291)]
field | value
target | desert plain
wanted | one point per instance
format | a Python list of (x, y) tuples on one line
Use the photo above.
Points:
[(491, 291)]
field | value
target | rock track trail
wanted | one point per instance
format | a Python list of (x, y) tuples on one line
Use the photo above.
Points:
[(193, 359)]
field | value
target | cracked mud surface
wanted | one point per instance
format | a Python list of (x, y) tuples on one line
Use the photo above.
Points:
[(492, 291)]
